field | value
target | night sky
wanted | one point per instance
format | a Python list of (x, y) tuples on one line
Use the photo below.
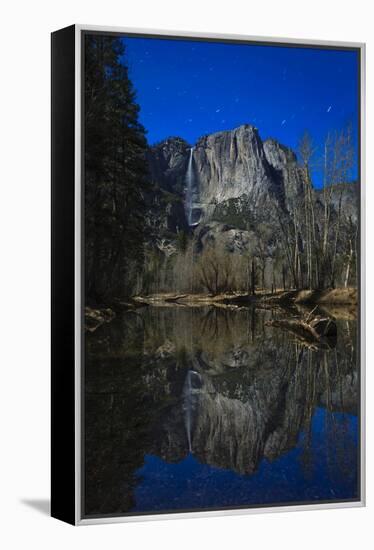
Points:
[(191, 88)]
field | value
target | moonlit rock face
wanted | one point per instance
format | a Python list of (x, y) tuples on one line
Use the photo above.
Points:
[(231, 164), (286, 172), (226, 165), (278, 155)]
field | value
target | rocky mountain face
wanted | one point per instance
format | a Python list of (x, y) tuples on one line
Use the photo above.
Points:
[(168, 164), (231, 170), (237, 164)]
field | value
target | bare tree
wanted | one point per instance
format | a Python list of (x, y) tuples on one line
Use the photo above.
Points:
[(217, 269), (253, 277), (351, 239), (307, 150), (262, 251), (343, 160)]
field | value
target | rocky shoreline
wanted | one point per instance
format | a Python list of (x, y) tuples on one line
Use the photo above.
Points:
[(338, 299)]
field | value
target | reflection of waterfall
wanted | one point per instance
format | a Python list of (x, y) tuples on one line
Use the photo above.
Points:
[(195, 394), (189, 190), (190, 402)]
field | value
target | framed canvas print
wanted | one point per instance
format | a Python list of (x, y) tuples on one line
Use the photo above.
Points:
[(207, 274)]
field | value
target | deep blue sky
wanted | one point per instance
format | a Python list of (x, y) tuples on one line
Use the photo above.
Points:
[(192, 88)]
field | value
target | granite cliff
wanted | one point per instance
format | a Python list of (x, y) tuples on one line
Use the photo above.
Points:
[(230, 169)]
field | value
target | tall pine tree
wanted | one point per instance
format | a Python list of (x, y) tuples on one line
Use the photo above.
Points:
[(115, 173)]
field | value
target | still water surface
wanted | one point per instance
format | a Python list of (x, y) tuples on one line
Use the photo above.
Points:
[(193, 408)]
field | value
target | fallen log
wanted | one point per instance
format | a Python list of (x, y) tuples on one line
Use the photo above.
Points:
[(316, 330), (175, 298), (324, 326), (94, 318)]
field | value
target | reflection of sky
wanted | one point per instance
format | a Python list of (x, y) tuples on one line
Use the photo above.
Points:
[(191, 88), (330, 474)]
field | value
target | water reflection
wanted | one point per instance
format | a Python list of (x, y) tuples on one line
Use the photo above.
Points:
[(209, 407)]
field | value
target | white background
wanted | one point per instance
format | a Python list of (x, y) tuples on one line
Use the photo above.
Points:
[(25, 259)]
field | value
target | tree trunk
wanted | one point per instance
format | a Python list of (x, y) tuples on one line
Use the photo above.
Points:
[(348, 269), (284, 277), (253, 278)]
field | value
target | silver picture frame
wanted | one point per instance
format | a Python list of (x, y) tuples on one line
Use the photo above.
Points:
[(79, 519)]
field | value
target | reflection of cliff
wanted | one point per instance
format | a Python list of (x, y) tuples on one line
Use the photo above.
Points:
[(228, 432), (234, 424), (221, 385)]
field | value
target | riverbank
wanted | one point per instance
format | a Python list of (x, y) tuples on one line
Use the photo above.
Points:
[(334, 302), (336, 297)]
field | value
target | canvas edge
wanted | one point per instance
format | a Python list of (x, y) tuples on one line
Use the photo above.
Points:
[(79, 520), (363, 273), (219, 36), (62, 273), (78, 277)]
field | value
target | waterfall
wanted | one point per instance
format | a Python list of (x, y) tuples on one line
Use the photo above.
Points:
[(190, 402), (189, 190)]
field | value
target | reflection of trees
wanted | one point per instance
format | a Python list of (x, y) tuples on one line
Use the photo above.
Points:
[(256, 391)]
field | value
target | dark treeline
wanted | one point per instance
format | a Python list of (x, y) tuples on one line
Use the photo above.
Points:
[(115, 173)]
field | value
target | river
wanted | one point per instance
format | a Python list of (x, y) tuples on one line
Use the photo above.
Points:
[(197, 408)]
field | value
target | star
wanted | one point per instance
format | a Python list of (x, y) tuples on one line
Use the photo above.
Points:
[(218, 110), (283, 122), (329, 109)]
